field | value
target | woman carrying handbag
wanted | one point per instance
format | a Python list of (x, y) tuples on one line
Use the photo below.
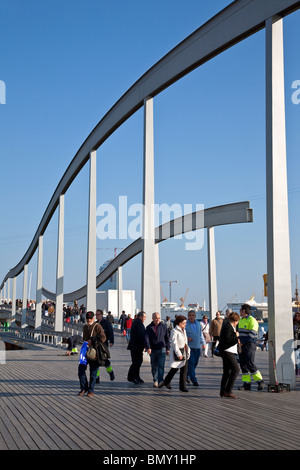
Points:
[(228, 348), (179, 354)]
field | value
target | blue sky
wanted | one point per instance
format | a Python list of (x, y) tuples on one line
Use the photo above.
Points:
[(65, 63)]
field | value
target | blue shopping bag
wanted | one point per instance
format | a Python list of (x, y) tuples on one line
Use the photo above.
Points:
[(82, 355)]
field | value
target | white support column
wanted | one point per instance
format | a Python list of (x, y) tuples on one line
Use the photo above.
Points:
[(8, 290), (59, 318), (91, 251), (14, 297), (24, 298), (278, 244), (39, 285), (150, 255), (120, 291), (212, 273), (4, 292)]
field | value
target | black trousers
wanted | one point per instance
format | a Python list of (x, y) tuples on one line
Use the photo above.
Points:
[(182, 377), (213, 344), (230, 371), (136, 362)]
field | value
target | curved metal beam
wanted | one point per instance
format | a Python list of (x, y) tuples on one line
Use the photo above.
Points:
[(233, 24), (235, 213)]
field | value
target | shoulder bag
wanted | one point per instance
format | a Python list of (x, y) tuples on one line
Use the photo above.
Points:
[(91, 352)]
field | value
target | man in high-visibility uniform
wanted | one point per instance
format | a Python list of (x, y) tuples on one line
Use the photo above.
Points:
[(248, 336)]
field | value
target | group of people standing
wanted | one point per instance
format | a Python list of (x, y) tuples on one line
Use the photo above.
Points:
[(181, 344), (235, 336)]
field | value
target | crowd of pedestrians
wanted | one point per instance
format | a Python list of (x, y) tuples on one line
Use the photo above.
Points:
[(178, 346)]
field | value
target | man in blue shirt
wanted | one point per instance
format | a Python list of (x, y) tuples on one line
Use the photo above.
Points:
[(158, 346), (196, 342)]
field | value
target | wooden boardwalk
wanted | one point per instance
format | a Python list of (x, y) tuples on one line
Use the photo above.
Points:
[(40, 409)]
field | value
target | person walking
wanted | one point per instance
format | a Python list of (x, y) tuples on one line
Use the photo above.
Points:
[(136, 346), (169, 324), (110, 318), (248, 335), (205, 330), (158, 346), (214, 330), (296, 328), (127, 326), (109, 333), (228, 351), (122, 320), (179, 354), (90, 330), (196, 343)]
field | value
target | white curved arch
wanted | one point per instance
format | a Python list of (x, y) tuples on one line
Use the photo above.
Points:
[(239, 212), (234, 23)]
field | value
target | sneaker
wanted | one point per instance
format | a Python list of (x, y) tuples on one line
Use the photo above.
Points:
[(245, 386), (112, 375), (155, 384), (90, 394), (260, 385), (81, 393)]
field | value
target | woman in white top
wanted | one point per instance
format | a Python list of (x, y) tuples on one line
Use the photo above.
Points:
[(205, 330), (179, 354), (228, 351)]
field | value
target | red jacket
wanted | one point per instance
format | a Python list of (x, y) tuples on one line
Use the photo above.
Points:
[(128, 323)]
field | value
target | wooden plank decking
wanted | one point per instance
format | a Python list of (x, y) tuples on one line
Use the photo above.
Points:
[(40, 409)]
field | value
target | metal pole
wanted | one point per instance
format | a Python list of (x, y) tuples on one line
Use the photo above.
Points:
[(278, 244), (91, 251), (150, 255), (212, 273), (39, 285), (58, 325), (24, 299)]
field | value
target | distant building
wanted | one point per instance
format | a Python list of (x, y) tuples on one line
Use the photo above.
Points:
[(107, 300), (111, 283)]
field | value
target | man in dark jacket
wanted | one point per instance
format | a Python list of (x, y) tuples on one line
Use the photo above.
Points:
[(137, 345), (109, 333), (158, 345)]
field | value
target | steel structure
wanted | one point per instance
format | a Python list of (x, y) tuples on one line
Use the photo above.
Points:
[(241, 19)]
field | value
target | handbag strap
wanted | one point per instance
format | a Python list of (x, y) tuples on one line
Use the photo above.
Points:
[(93, 329)]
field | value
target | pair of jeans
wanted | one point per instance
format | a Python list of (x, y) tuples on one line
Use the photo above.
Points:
[(230, 371), (158, 359), (128, 333), (192, 364), (84, 385)]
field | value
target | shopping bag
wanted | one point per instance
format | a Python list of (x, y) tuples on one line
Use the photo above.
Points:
[(82, 355)]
